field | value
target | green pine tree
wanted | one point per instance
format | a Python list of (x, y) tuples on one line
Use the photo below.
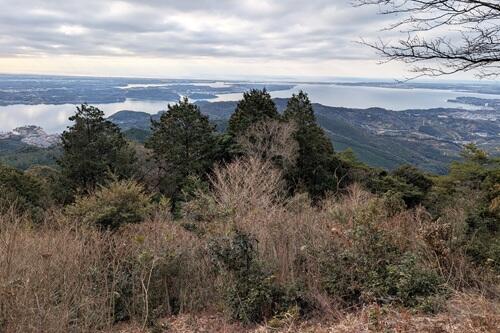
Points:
[(183, 144), (256, 105), (318, 170), (94, 150)]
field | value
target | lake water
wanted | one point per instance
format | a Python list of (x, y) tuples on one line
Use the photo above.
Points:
[(54, 118), (366, 97)]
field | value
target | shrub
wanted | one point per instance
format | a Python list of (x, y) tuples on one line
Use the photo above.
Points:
[(161, 270), (58, 278), (52, 183), (53, 280), (372, 266), (272, 141), (484, 238), (121, 202), (251, 293), (410, 193), (414, 285), (22, 192), (245, 185)]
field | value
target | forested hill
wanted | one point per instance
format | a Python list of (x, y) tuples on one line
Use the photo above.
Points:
[(429, 139)]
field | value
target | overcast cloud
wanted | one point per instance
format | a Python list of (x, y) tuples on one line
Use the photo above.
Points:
[(288, 31)]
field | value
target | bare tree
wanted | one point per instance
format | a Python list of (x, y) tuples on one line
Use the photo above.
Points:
[(443, 36), (272, 141)]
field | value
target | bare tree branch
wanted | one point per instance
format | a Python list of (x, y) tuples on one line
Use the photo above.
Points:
[(271, 141), (468, 35)]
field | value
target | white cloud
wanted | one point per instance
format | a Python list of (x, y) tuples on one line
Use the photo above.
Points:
[(72, 30)]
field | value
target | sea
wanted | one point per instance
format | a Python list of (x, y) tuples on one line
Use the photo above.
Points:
[(54, 118)]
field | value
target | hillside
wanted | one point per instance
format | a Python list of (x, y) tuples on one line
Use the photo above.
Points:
[(27, 146), (429, 139)]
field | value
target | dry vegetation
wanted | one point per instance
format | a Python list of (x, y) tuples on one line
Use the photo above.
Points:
[(63, 276), (465, 313)]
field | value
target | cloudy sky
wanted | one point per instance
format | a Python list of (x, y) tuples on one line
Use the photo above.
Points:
[(183, 38)]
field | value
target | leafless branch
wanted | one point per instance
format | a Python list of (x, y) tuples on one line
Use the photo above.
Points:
[(468, 35)]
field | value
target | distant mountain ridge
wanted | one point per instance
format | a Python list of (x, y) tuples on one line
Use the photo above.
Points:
[(132, 119), (429, 139)]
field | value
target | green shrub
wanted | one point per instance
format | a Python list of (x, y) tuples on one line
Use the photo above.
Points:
[(383, 183), (483, 233), (251, 293), (158, 269), (149, 284), (356, 274), (414, 285), (119, 203), (372, 267), (52, 182), (22, 192), (393, 202)]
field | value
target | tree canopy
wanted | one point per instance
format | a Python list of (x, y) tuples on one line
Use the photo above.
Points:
[(256, 106), (318, 169), (94, 149), (21, 192), (183, 144)]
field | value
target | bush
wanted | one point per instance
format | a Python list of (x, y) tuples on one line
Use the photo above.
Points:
[(162, 270), (373, 267), (121, 202), (251, 294), (22, 192), (52, 280), (414, 285), (52, 182), (410, 193), (484, 238), (66, 279)]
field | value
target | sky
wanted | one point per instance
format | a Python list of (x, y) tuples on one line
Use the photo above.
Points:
[(310, 39)]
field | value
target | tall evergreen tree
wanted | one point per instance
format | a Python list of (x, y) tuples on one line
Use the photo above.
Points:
[(94, 149), (183, 144), (300, 110), (318, 170), (256, 105)]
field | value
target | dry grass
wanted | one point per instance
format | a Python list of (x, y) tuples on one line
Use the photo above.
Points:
[(465, 313), (49, 278), (62, 278)]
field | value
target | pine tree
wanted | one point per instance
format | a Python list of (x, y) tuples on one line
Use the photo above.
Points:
[(300, 109), (256, 106), (183, 144), (94, 150), (318, 170)]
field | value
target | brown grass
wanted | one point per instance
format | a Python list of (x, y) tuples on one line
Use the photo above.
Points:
[(465, 313), (63, 278)]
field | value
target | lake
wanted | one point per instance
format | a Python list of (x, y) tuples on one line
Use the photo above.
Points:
[(54, 118)]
